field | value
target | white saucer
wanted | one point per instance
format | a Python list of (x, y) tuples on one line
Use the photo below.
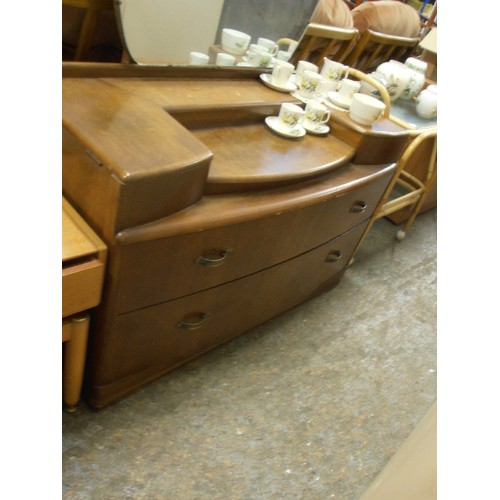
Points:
[(273, 122), (334, 97), (245, 65), (318, 129), (288, 87), (305, 100)]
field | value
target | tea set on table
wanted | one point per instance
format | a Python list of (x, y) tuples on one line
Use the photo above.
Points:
[(328, 88)]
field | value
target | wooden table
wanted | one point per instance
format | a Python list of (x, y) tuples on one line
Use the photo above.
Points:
[(83, 263)]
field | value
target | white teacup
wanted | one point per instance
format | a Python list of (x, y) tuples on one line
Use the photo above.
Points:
[(283, 55), (365, 109), (426, 102), (347, 88), (198, 58), (223, 59), (316, 113), (282, 72), (310, 84), (234, 41), (270, 45), (255, 47), (304, 66), (332, 70), (326, 86), (290, 116), (259, 58)]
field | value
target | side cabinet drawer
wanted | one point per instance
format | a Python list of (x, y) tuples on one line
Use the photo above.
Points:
[(170, 334), (163, 269)]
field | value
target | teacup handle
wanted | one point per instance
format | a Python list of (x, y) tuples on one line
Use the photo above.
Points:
[(326, 116)]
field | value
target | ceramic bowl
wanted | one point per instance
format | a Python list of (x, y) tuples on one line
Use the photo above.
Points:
[(365, 109), (235, 42)]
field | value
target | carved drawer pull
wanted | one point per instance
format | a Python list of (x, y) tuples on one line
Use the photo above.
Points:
[(358, 207), (334, 256), (193, 322), (214, 261)]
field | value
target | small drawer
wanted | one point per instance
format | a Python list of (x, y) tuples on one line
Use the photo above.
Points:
[(81, 286), (163, 269), (170, 334)]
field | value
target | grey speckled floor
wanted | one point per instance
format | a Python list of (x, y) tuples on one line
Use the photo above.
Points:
[(310, 405)]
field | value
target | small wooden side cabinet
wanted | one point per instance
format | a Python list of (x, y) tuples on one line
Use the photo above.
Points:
[(83, 264)]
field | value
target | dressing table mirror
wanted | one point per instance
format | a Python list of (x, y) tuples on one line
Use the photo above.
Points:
[(164, 32)]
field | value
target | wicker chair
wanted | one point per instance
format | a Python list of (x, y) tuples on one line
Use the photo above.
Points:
[(405, 189)]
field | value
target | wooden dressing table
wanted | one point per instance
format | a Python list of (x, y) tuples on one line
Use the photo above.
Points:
[(213, 223)]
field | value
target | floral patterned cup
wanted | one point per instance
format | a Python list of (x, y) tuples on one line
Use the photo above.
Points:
[(348, 88), (259, 58), (290, 116), (310, 84), (316, 113), (332, 70), (304, 66)]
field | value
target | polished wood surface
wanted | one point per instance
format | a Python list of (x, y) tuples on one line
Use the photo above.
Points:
[(202, 206)]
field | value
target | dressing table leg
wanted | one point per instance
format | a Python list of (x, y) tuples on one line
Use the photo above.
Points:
[(75, 350)]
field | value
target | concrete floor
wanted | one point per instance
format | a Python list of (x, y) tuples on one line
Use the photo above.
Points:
[(311, 405)]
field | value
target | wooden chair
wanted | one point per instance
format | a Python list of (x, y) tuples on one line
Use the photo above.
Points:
[(93, 9), (374, 48), (422, 148), (319, 41)]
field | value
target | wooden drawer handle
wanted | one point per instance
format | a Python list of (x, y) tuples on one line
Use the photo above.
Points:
[(192, 322), (214, 261), (334, 256), (358, 207)]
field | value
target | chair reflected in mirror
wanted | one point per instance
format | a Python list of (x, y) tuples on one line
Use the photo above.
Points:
[(319, 41), (375, 48)]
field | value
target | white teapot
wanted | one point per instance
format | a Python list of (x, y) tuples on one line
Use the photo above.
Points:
[(426, 102), (417, 78), (396, 75)]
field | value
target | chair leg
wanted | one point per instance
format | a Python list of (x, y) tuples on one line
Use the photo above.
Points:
[(416, 208)]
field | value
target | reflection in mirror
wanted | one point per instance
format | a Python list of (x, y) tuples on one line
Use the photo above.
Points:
[(165, 32)]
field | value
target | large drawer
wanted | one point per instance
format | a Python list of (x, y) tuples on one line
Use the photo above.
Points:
[(160, 338), (163, 269)]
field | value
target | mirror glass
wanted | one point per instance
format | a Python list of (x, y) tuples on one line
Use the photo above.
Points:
[(165, 32)]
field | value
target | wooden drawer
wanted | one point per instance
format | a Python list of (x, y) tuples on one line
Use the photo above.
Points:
[(81, 286), (162, 337), (83, 263), (163, 269)]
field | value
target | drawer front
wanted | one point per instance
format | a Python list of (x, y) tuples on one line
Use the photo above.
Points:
[(164, 269), (169, 334), (81, 286)]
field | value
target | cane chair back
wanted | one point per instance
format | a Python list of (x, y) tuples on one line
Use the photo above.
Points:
[(319, 41), (375, 48), (406, 190)]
